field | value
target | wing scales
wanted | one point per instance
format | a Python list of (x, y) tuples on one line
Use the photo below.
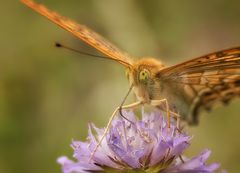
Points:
[(210, 78), (82, 32)]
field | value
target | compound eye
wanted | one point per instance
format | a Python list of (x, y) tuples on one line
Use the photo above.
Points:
[(144, 75)]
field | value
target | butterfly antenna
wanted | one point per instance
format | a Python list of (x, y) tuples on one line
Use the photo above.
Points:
[(59, 45)]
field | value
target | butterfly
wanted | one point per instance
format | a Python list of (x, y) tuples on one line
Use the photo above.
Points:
[(188, 87)]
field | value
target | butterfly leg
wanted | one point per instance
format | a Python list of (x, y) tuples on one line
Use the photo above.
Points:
[(181, 158), (133, 105), (159, 102), (178, 118), (169, 112)]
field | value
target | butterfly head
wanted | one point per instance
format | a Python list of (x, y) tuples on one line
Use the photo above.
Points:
[(142, 74)]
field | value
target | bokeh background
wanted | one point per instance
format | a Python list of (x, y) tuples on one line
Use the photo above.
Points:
[(48, 95)]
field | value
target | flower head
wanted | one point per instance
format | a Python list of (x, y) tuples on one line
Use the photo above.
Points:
[(145, 145)]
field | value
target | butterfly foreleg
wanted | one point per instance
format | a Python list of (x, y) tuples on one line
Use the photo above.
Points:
[(133, 105)]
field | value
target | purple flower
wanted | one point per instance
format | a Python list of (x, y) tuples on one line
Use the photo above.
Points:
[(145, 145)]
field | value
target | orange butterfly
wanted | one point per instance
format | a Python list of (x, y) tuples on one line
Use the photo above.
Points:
[(187, 87)]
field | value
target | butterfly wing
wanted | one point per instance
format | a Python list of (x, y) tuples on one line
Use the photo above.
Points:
[(206, 80), (82, 32)]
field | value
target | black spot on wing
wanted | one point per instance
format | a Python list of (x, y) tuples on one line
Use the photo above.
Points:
[(237, 83), (220, 54)]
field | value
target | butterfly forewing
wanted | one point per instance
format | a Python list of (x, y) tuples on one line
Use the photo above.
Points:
[(82, 32), (207, 79)]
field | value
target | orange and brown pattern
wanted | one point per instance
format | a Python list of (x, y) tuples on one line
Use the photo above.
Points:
[(188, 86), (82, 32)]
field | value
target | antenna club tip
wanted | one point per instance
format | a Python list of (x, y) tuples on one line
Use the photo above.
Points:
[(58, 44)]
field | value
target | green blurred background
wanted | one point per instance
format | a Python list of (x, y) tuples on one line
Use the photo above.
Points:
[(48, 95)]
